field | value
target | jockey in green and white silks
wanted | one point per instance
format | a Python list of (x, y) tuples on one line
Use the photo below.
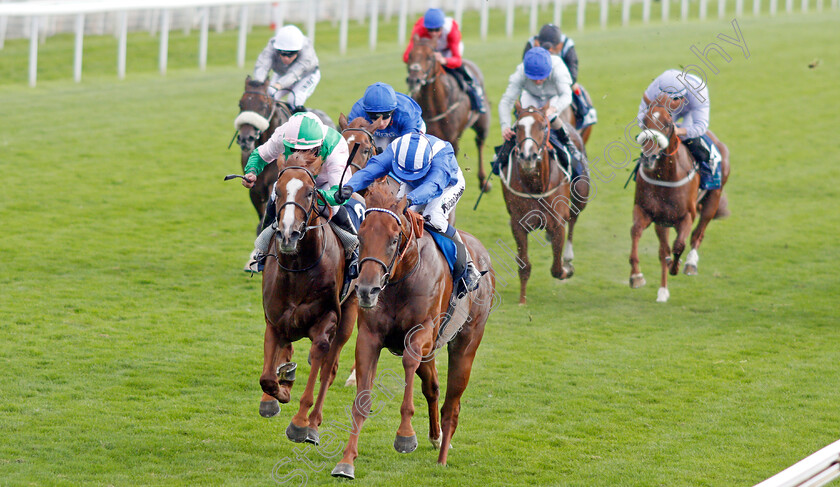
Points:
[(303, 132), (689, 101), (291, 59)]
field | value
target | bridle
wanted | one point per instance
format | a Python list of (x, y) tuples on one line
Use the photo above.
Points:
[(541, 147), (658, 157), (370, 139), (388, 268), (430, 74), (304, 226)]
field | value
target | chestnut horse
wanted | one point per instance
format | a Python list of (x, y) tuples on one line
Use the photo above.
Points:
[(539, 195), (403, 289), (666, 195), (446, 107), (301, 284)]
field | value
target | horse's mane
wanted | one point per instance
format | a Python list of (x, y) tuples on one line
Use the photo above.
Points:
[(382, 194), (360, 123), (305, 159)]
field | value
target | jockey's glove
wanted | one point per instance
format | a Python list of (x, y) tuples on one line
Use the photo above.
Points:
[(336, 196)]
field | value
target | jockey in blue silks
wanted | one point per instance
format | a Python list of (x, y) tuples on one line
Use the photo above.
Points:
[(398, 114), (430, 175)]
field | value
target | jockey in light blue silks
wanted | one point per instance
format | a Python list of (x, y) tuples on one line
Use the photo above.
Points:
[(399, 113), (432, 180), (562, 46), (293, 64), (689, 101)]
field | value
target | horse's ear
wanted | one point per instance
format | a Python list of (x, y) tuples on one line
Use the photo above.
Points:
[(342, 121), (401, 204), (517, 107), (415, 38), (545, 107), (247, 81)]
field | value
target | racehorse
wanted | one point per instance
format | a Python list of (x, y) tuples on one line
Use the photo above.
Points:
[(446, 107), (404, 288), (259, 115), (538, 193), (666, 195), (358, 131), (301, 284)]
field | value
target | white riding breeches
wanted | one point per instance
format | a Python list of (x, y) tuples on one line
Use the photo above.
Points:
[(298, 93), (436, 211)]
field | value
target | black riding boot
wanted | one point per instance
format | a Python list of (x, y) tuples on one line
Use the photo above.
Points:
[(575, 164), (342, 219), (473, 89), (502, 155), (697, 149)]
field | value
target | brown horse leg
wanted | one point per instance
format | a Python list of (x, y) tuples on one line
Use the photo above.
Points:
[(520, 235), (480, 137), (431, 390), (710, 207), (683, 228), (664, 259), (462, 352), (276, 350), (419, 345), (297, 430), (557, 233), (329, 367), (641, 220), (368, 347)]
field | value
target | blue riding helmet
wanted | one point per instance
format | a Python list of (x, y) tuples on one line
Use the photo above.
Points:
[(433, 19), (412, 156), (670, 83), (379, 98), (537, 63)]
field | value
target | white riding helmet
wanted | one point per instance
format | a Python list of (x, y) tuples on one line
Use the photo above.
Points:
[(288, 38)]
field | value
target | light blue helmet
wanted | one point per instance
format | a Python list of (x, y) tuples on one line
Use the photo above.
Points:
[(670, 83), (537, 63), (412, 156), (434, 18), (379, 97)]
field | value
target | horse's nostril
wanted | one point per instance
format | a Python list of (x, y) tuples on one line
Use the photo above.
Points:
[(294, 235), (375, 291)]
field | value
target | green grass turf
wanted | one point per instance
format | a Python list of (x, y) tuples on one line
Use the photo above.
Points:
[(131, 342)]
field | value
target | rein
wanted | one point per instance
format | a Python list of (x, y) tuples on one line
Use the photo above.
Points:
[(541, 149), (386, 278)]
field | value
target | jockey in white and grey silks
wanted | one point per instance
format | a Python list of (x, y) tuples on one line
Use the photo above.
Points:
[(541, 78), (432, 182), (691, 105), (293, 64)]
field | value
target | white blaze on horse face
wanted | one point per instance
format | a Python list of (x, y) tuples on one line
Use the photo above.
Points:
[(528, 147), (350, 140), (292, 187)]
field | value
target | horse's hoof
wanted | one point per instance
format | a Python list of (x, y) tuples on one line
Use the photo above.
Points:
[(312, 436), (351, 379), (487, 186), (570, 269), (637, 281), (297, 433), (662, 295), (405, 444), (344, 470), (690, 270), (674, 269), (269, 409), (437, 442), (286, 372)]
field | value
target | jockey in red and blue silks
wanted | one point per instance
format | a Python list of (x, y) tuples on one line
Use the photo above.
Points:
[(399, 114), (431, 181), (562, 46), (446, 34)]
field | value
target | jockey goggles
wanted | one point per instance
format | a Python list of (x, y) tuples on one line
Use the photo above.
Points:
[(373, 116), (287, 53)]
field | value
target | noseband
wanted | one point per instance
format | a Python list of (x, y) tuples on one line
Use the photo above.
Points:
[(307, 212), (388, 268), (430, 74), (540, 146)]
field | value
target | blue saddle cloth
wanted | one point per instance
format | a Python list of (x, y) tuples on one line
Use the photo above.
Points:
[(446, 246)]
